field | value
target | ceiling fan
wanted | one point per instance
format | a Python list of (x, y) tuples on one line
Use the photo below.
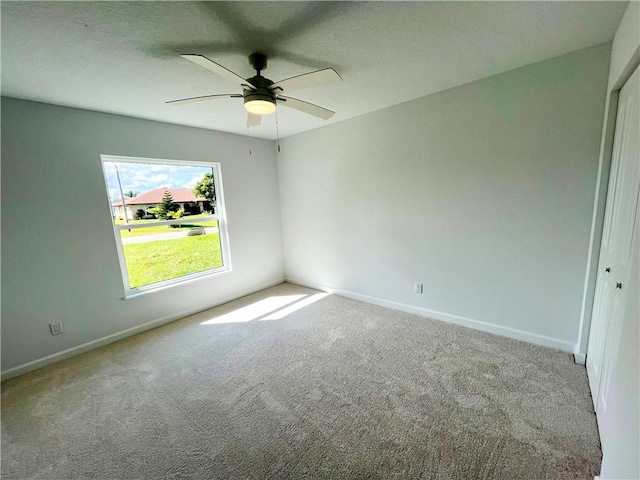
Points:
[(261, 94)]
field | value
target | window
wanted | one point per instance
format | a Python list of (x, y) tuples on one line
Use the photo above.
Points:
[(168, 220)]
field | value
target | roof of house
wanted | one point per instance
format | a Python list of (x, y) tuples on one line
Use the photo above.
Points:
[(155, 196)]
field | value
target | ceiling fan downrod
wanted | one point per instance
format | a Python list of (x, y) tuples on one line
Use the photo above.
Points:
[(261, 100)]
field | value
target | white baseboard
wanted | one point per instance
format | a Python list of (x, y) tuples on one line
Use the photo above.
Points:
[(534, 338), (580, 358), (114, 337)]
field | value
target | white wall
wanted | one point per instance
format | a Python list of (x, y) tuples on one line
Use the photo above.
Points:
[(483, 192), (625, 52), (57, 266), (620, 424)]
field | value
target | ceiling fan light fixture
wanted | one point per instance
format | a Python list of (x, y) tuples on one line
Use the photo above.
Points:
[(259, 104), (260, 107)]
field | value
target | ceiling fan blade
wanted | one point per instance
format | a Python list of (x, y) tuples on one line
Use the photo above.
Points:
[(218, 69), (307, 80), (204, 97), (253, 119), (306, 107)]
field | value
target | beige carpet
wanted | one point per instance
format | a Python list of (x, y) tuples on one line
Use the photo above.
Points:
[(291, 384)]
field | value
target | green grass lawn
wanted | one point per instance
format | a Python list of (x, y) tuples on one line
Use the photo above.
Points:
[(156, 261), (193, 223)]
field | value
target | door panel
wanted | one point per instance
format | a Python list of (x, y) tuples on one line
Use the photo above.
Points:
[(617, 237), (597, 336), (613, 339)]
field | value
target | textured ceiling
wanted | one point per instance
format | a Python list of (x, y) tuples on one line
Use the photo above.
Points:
[(123, 57)]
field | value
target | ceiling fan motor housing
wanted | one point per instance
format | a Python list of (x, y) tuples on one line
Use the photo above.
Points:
[(262, 91)]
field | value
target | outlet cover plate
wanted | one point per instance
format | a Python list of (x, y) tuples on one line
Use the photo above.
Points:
[(56, 328)]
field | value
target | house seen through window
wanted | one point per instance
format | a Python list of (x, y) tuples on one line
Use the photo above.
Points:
[(168, 219)]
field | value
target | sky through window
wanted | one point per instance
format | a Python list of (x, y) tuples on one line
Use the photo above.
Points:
[(143, 177)]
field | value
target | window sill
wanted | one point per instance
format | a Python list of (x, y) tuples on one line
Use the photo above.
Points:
[(158, 287)]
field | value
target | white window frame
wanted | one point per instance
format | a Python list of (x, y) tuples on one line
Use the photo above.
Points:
[(219, 215)]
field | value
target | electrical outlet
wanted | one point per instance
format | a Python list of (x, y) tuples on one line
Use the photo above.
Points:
[(56, 328), (418, 287)]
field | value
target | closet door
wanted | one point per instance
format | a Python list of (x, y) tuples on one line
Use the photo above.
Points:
[(617, 236)]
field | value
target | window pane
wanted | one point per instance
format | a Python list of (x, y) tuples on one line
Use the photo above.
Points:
[(157, 254), (157, 191)]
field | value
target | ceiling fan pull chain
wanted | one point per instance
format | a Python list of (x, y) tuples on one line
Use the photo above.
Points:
[(249, 137), (277, 130)]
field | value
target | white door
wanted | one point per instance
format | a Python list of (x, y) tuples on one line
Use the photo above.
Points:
[(617, 236)]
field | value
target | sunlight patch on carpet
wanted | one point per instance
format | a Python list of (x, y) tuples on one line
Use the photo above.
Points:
[(295, 307), (255, 311)]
